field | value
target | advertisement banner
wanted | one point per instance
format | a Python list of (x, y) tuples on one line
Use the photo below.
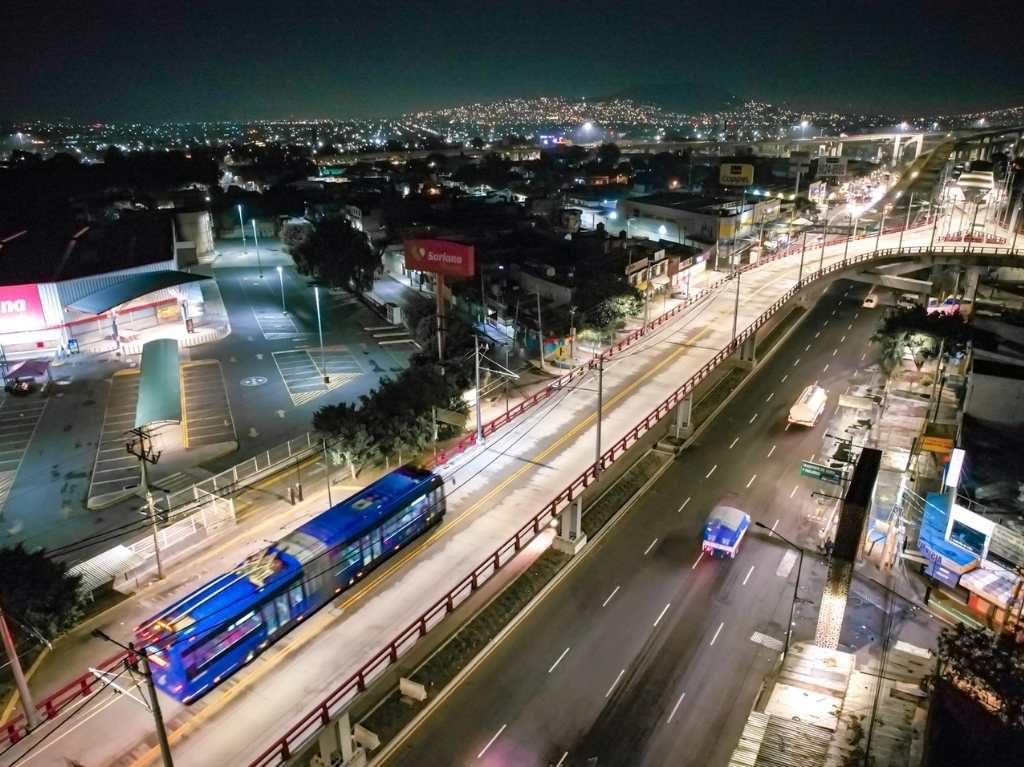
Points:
[(20, 309), (736, 174), (832, 167), (440, 257)]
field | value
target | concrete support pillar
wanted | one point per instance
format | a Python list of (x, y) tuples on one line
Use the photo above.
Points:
[(919, 146), (336, 738), (747, 353), (571, 538), (684, 418), (895, 151), (971, 280)]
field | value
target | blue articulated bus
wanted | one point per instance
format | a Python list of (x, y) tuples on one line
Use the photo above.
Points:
[(205, 637)]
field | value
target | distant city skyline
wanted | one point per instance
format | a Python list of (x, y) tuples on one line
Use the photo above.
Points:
[(264, 60)]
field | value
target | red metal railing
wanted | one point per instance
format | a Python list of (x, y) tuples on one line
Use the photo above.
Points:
[(319, 716), (15, 728)]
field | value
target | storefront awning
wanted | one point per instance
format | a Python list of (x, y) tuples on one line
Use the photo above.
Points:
[(137, 285)]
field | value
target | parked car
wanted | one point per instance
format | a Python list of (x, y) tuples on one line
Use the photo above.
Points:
[(19, 386), (908, 301), (870, 300)]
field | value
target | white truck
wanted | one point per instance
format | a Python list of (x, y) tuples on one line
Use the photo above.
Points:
[(808, 407)]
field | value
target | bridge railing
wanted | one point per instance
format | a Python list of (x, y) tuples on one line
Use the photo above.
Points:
[(320, 715)]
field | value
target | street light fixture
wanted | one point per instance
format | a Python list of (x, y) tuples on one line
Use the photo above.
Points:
[(241, 222), (154, 702), (280, 278), (796, 589), (256, 240)]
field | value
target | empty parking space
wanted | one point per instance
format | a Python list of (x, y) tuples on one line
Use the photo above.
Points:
[(18, 421), (300, 370), (206, 412), (276, 326), (115, 469)]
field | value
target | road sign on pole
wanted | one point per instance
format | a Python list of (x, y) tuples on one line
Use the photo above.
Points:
[(823, 473)]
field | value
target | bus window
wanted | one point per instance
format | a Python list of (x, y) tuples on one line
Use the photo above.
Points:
[(283, 613), (348, 558), (269, 617), (296, 596)]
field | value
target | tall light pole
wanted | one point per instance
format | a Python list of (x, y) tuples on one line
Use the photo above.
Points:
[(906, 224), (241, 223), (280, 278), (540, 335), (572, 332), (31, 714), (476, 366), (803, 250), (256, 240), (736, 306), (850, 234), (600, 407), (881, 226), (154, 702), (796, 589), (320, 330)]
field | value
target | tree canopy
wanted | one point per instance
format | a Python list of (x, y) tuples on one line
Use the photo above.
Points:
[(337, 253), (38, 592)]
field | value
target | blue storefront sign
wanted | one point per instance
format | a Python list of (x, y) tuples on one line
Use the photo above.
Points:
[(943, 575)]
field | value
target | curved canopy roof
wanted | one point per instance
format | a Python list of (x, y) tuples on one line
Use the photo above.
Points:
[(136, 285)]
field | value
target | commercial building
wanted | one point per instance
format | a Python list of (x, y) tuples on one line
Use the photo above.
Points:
[(694, 219), (67, 287)]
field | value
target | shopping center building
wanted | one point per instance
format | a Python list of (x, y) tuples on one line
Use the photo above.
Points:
[(100, 285)]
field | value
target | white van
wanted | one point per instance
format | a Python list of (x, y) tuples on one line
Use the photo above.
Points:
[(808, 407)]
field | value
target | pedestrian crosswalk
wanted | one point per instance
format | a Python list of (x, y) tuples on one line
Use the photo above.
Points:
[(763, 639)]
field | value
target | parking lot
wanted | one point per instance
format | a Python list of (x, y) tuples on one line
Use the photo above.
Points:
[(115, 469), (18, 420), (206, 412), (300, 371), (278, 326)]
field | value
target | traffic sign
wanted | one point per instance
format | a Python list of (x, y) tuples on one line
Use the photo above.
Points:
[(824, 473)]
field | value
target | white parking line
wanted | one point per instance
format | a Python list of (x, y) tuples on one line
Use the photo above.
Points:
[(555, 664), (651, 546), (674, 708), (733, 443), (683, 506), (748, 575), (751, 481), (491, 741), (699, 558), (771, 451), (717, 632), (615, 683), (662, 614), (793, 492), (708, 475), (609, 597), (752, 418)]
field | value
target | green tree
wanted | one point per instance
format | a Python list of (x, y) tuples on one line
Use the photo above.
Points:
[(38, 592), (608, 155), (337, 253)]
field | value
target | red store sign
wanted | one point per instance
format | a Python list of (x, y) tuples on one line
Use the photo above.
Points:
[(20, 309), (440, 257)]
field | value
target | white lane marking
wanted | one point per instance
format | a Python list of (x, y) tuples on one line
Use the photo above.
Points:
[(717, 632), (835, 352), (615, 683), (824, 369), (824, 323), (651, 546), (834, 313), (491, 741), (865, 354), (562, 760), (609, 598), (683, 506), (797, 362), (733, 443), (842, 339), (786, 564), (812, 457), (748, 575), (555, 664), (817, 334), (662, 614), (769, 398), (771, 451), (856, 315), (675, 708), (807, 348), (708, 475), (752, 418), (787, 427), (776, 524), (784, 378), (793, 492), (850, 326), (699, 558), (751, 481)]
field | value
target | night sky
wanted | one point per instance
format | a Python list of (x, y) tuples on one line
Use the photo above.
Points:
[(173, 59)]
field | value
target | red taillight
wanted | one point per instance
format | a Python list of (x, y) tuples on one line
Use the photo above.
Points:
[(178, 688)]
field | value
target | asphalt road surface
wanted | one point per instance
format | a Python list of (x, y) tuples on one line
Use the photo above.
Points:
[(644, 655)]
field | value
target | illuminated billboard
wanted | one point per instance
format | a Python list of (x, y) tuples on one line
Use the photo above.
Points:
[(736, 174), (440, 257)]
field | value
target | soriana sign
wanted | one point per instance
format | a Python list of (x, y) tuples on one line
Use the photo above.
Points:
[(20, 309), (440, 257)]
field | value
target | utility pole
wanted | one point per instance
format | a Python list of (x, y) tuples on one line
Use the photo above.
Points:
[(31, 714), (141, 658), (803, 249), (850, 234), (881, 226), (241, 223), (476, 365), (796, 589), (600, 406), (144, 452), (540, 334), (906, 225), (736, 307), (572, 334)]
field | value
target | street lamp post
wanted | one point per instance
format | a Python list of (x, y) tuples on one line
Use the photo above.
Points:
[(881, 226), (796, 589), (906, 224), (154, 702), (256, 241), (736, 306), (851, 234), (803, 250), (320, 330), (280, 278), (241, 222), (600, 407)]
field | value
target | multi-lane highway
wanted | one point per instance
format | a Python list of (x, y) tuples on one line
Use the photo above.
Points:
[(643, 654)]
